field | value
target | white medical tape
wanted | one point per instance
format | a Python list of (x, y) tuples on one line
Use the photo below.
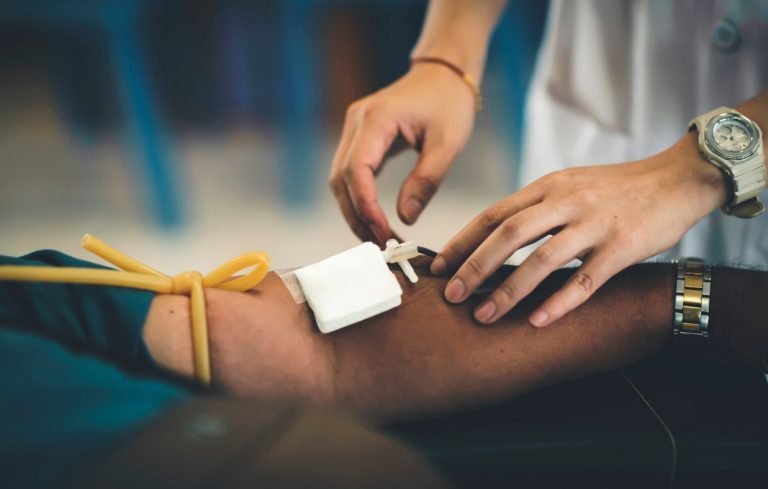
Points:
[(291, 282)]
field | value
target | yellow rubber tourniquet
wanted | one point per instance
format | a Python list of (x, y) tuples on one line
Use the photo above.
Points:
[(136, 275)]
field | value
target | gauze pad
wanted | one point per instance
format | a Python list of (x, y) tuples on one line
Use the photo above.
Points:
[(349, 287)]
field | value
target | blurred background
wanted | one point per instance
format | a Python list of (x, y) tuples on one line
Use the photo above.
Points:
[(186, 132)]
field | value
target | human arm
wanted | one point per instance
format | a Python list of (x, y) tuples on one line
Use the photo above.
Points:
[(426, 355), (85, 404), (610, 216), (430, 108), (78, 420), (429, 356)]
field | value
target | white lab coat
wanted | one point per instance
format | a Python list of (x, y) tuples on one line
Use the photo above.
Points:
[(618, 80)]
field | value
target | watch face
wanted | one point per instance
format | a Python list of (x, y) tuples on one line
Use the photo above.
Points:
[(732, 136)]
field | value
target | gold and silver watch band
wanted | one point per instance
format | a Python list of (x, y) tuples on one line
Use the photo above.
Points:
[(692, 291)]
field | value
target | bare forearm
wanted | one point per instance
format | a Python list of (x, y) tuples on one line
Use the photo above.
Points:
[(459, 30), (428, 355), (424, 356)]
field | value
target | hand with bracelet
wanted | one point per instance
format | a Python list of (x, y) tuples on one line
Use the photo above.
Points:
[(431, 109), (609, 216)]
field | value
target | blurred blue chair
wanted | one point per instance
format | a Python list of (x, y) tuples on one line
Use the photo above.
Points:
[(119, 20), (298, 66), (513, 53), (287, 41)]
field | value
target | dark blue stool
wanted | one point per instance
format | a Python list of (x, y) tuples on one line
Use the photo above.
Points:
[(120, 20)]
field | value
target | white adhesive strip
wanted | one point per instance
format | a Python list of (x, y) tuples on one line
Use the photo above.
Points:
[(292, 284)]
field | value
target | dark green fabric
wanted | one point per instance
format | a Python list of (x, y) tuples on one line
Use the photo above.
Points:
[(75, 375), (104, 320)]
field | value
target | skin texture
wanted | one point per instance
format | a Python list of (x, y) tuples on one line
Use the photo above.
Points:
[(425, 356), (609, 216)]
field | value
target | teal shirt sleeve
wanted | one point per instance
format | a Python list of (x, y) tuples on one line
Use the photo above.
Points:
[(75, 376), (101, 320)]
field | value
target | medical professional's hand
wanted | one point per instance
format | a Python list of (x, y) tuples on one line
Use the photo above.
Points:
[(608, 216), (432, 110)]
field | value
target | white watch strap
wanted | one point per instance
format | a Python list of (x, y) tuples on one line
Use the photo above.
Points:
[(747, 177)]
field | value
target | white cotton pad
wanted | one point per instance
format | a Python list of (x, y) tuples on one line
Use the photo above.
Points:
[(349, 287)]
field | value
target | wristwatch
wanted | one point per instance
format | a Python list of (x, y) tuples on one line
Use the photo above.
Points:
[(734, 144), (692, 291)]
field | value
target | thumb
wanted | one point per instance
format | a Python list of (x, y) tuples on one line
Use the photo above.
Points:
[(423, 181)]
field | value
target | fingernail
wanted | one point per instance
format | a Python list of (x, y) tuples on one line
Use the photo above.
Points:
[(411, 210), (455, 290), (485, 312), (539, 318), (438, 266)]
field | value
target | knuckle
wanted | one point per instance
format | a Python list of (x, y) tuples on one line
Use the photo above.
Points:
[(491, 217), (347, 173), (335, 182), (449, 251), (367, 210), (567, 173), (473, 268), (545, 255), (427, 183), (338, 191), (354, 108), (370, 107), (553, 178), (507, 293), (623, 239), (585, 197), (510, 229), (583, 282)]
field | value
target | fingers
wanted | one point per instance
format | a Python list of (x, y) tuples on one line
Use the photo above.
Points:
[(507, 238), (366, 152), (365, 140), (599, 267), (548, 257), (424, 180), (474, 233), (339, 188), (361, 230)]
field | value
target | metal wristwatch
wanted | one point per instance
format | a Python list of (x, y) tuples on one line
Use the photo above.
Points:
[(734, 144), (692, 291)]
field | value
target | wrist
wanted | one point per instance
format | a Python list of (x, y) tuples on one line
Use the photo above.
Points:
[(459, 31), (706, 188), (470, 83), (470, 58)]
